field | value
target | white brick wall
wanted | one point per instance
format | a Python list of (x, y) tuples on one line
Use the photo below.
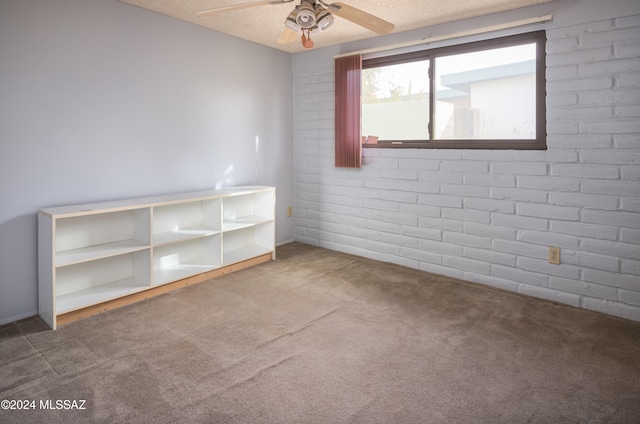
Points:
[(490, 216)]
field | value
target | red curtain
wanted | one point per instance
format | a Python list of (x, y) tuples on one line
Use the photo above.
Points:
[(347, 92)]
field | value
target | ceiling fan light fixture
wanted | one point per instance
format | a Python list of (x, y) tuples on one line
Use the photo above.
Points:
[(324, 19), (306, 16), (290, 22)]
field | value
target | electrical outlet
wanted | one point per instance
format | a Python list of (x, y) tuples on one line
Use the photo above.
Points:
[(289, 211), (554, 255)]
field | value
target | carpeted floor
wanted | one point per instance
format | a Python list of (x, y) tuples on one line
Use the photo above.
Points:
[(323, 337)]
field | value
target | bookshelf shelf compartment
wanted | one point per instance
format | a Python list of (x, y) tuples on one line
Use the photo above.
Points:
[(94, 253), (186, 220), (185, 259), (89, 283), (248, 241)]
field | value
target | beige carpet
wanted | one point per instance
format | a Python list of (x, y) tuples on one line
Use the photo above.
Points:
[(323, 337)]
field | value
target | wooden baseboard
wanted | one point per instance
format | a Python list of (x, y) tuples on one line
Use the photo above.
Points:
[(156, 291)]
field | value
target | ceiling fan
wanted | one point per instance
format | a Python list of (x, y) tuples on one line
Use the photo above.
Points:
[(312, 17)]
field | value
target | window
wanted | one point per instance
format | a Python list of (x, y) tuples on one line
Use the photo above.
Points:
[(483, 95)]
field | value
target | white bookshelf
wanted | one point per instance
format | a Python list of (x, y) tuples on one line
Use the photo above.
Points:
[(93, 253)]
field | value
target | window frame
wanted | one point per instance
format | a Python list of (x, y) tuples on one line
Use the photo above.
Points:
[(539, 143)]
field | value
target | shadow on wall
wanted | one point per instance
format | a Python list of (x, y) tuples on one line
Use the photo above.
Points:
[(19, 265)]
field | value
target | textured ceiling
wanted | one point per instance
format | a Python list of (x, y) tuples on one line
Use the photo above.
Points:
[(264, 24)]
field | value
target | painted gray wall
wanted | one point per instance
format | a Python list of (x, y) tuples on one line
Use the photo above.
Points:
[(489, 216), (100, 100)]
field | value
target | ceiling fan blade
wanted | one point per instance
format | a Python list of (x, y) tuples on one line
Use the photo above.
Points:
[(240, 6), (362, 18), (288, 36)]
